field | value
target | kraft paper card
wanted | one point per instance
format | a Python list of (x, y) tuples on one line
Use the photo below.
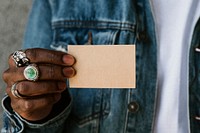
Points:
[(103, 66)]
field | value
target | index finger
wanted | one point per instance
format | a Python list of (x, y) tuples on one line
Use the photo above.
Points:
[(39, 55)]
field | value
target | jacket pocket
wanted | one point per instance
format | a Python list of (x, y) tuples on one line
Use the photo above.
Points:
[(92, 33), (90, 104)]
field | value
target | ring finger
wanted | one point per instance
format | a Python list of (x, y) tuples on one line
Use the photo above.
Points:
[(32, 89), (46, 72)]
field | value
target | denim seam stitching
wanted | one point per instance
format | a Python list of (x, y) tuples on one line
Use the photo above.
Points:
[(94, 24)]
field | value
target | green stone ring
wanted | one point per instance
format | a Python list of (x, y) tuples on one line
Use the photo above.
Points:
[(31, 72)]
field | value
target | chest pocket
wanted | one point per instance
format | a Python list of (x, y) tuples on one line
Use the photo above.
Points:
[(91, 104)]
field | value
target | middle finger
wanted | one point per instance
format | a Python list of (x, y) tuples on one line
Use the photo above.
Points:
[(46, 72)]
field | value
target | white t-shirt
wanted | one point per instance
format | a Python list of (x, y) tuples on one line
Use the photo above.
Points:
[(175, 21)]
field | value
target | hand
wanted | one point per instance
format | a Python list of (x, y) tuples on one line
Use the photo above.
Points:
[(38, 97)]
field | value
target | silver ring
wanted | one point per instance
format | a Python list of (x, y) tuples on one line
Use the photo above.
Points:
[(20, 58), (31, 72), (14, 91)]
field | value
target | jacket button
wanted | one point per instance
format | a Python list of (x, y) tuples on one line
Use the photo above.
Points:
[(133, 107)]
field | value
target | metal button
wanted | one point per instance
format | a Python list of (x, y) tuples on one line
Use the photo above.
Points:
[(197, 118), (197, 49), (133, 107)]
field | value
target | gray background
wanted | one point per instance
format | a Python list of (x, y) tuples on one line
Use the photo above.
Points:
[(13, 17)]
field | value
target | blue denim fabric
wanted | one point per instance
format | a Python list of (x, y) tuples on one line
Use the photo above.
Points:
[(54, 24)]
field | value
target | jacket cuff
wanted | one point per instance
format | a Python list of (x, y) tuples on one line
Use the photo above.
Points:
[(14, 122)]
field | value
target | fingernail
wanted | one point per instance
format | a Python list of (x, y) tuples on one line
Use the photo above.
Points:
[(68, 59), (68, 72), (62, 85)]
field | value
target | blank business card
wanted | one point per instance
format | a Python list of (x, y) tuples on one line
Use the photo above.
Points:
[(103, 66)]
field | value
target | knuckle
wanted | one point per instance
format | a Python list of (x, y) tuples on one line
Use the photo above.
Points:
[(7, 75), (32, 54), (53, 57), (28, 106), (22, 87), (51, 72)]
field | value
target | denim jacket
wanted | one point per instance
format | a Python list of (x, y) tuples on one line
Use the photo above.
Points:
[(53, 24)]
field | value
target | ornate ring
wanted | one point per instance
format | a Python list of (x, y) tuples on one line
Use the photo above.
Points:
[(31, 72), (20, 58), (14, 91)]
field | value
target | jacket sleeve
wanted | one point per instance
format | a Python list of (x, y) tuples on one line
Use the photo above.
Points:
[(38, 34), (13, 123), (38, 30)]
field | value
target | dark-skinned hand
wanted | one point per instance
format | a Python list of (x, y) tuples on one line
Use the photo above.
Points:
[(39, 96)]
